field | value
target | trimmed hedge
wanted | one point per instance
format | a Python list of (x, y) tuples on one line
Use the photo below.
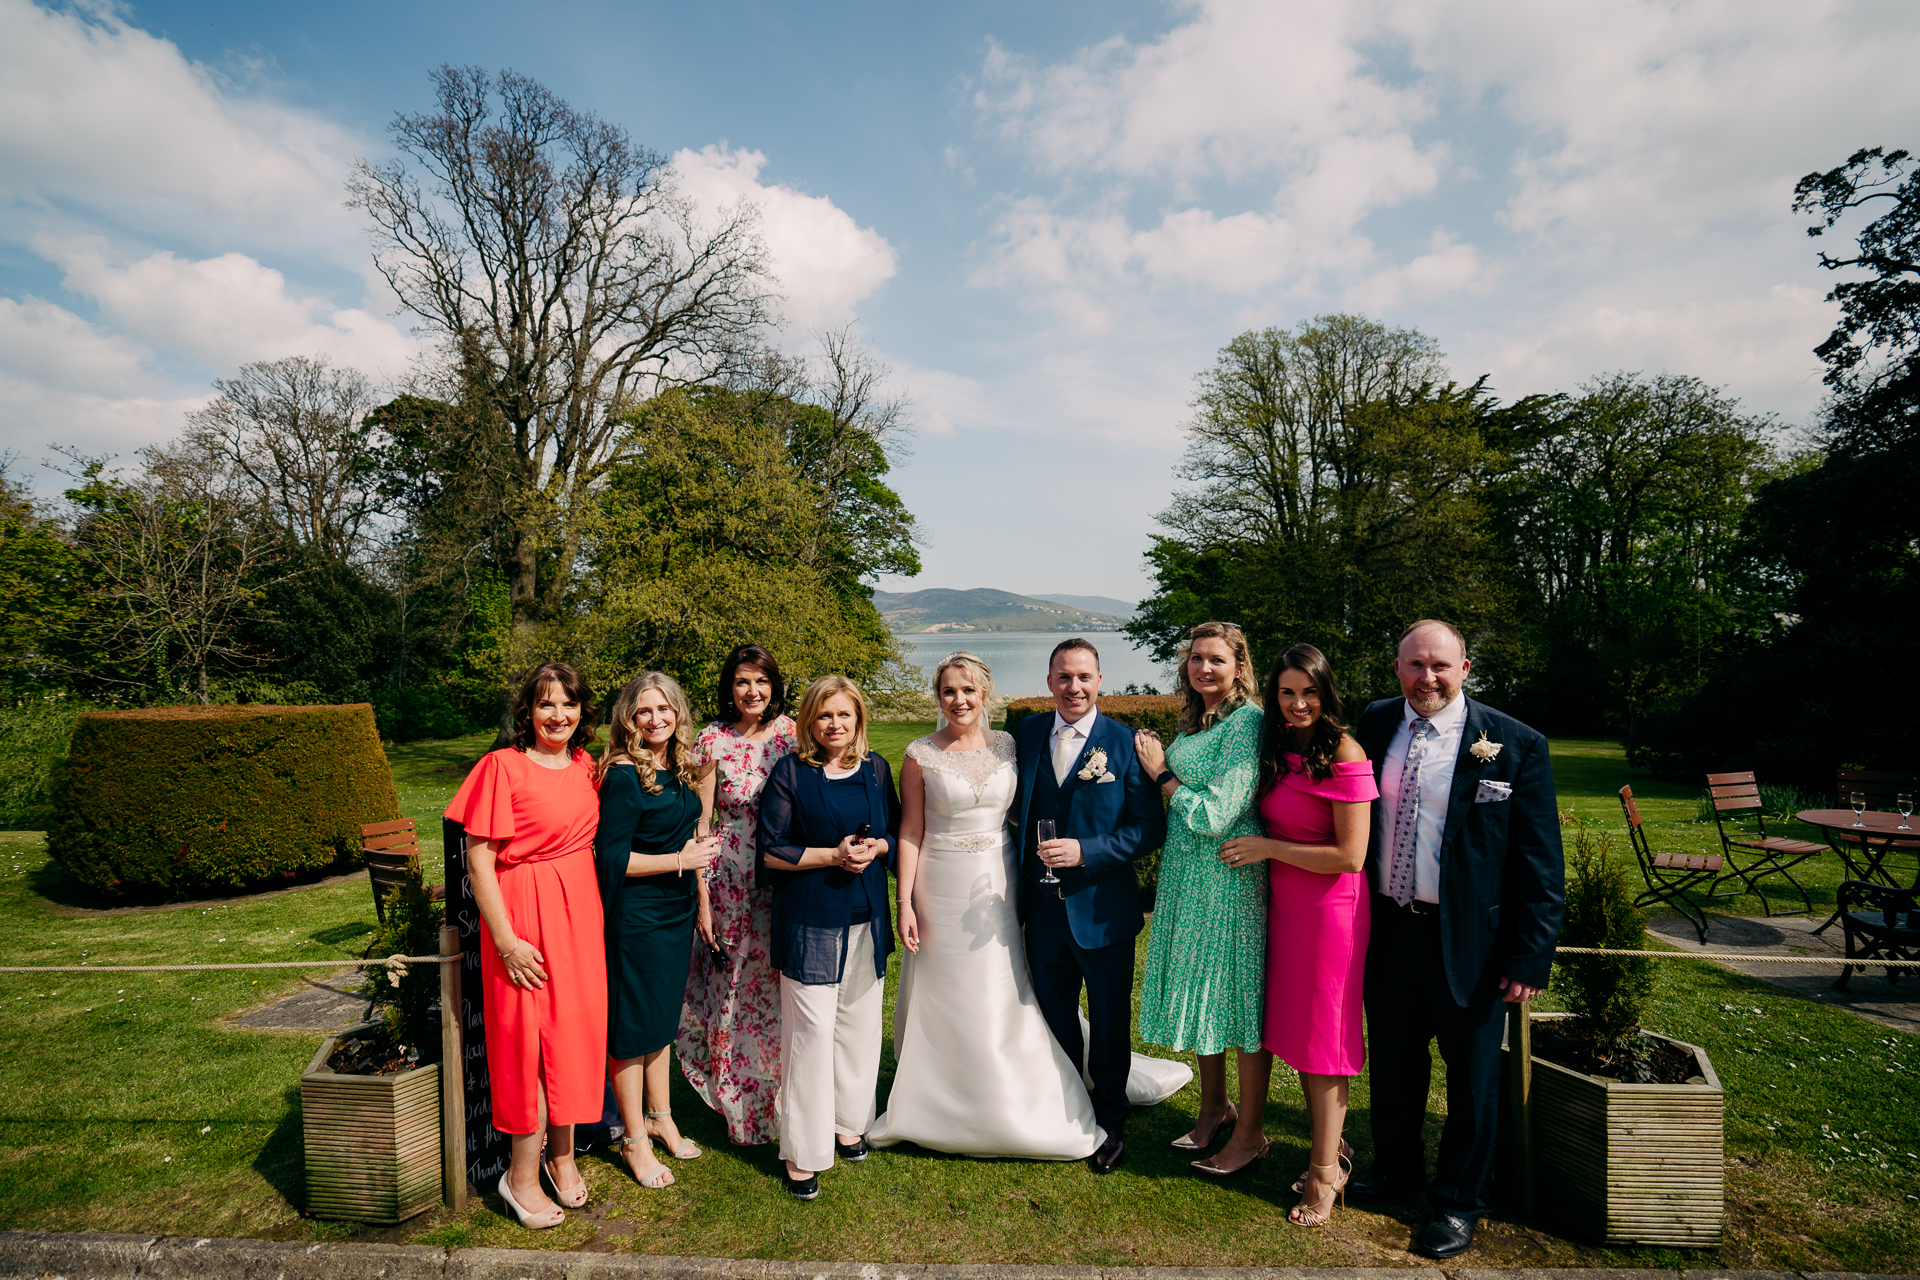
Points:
[(182, 802), (1158, 713)]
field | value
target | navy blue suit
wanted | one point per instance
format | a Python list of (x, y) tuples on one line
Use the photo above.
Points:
[(1083, 930), (1436, 976)]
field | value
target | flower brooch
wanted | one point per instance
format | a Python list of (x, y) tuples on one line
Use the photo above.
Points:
[(1485, 751)]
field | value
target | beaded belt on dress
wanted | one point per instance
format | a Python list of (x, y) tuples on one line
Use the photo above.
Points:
[(977, 841)]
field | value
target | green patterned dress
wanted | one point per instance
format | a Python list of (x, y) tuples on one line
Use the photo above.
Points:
[(1206, 957)]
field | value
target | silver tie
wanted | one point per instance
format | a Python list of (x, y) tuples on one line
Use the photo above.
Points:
[(1065, 752), (1406, 816)]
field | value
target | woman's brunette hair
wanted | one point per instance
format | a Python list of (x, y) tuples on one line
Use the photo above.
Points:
[(625, 745), (1194, 716), (573, 687), (1277, 737), (751, 655), (809, 750)]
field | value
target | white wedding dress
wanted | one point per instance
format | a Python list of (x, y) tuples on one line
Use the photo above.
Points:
[(978, 1072)]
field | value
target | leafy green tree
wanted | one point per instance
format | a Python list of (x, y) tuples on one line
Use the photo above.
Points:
[(42, 593), (1336, 498), (1620, 508), (566, 278)]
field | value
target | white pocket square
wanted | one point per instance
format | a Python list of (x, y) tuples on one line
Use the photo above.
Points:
[(1493, 792), (1108, 777)]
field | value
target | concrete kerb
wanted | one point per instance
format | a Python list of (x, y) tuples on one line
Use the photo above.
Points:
[(96, 1256)]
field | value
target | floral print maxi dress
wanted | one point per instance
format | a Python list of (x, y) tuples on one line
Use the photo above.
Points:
[(1205, 984), (729, 1045)]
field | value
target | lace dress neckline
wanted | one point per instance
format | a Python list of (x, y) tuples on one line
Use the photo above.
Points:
[(975, 767)]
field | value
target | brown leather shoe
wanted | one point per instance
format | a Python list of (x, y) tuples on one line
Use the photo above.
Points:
[(1108, 1157)]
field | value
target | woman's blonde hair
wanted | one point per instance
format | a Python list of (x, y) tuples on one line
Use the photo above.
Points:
[(626, 746), (809, 750), (1194, 716), (979, 672)]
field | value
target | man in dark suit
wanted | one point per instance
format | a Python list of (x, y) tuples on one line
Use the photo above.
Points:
[(1469, 892), (1078, 768)]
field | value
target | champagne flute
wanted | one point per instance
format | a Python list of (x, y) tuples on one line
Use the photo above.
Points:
[(1043, 831), (1905, 802), (1859, 800)]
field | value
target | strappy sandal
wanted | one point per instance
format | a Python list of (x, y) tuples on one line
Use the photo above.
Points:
[(552, 1216), (661, 1175), (1185, 1141), (1320, 1214), (686, 1150), (1346, 1154)]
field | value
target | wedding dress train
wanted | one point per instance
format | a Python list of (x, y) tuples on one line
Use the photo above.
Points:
[(978, 1072)]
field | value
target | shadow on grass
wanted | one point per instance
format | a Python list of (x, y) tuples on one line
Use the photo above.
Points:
[(282, 1161)]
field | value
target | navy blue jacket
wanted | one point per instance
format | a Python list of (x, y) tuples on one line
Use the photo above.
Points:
[(1115, 823), (811, 906), (1502, 869)]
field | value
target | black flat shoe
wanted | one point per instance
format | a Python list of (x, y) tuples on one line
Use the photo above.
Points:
[(1108, 1157), (852, 1153), (1379, 1184), (807, 1188), (1447, 1236)]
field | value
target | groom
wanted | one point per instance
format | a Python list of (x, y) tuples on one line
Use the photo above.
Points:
[(1079, 769)]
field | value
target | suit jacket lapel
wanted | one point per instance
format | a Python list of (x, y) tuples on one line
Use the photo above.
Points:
[(1377, 738), (1029, 761), (1466, 779), (1092, 740)]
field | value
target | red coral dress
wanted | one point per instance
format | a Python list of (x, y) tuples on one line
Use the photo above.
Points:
[(1317, 928), (544, 820)]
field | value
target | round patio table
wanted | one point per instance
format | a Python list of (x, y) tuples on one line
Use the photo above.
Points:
[(1864, 847)]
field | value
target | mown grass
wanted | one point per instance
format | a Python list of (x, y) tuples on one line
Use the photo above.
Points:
[(136, 1105)]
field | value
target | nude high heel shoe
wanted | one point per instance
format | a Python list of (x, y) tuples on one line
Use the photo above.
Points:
[(1320, 1214)]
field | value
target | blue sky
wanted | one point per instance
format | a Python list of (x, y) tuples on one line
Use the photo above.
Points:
[(1044, 218)]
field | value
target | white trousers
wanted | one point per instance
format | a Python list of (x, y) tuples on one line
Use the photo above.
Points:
[(829, 1056)]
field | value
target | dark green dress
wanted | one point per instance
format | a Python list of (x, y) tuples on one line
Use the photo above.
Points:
[(649, 918)]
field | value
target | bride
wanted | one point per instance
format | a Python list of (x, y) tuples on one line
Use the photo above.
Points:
[(978, 1071)]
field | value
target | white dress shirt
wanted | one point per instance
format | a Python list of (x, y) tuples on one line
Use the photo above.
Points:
[(1436, 788), (1083, 727)]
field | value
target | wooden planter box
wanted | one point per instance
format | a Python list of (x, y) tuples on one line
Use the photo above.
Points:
[(1630, 1163), (373, 1142)]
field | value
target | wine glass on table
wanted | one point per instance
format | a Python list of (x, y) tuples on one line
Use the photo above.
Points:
[(1905, 803), (1859, 800), (1043, 831)]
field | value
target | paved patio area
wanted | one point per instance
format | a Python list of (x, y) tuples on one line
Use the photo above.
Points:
[(1869, 994)]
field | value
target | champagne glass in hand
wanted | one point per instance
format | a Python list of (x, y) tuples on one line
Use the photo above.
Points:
[(1044, 831), (1859, 800), (1905, 803)]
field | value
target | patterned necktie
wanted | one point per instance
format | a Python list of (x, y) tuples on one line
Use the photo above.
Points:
[(1065, 752), (1406, 816)]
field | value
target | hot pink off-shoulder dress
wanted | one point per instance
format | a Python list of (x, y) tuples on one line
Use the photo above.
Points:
[(1317, 927)]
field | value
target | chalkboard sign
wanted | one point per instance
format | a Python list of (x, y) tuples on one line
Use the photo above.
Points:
[(487, 1149)]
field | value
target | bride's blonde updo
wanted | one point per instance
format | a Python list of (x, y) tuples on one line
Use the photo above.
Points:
[(977, 671)]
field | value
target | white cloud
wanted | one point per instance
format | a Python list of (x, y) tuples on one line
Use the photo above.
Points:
[(47, 343), (96, 111), (825, 260), (40, 416), (225, 311)]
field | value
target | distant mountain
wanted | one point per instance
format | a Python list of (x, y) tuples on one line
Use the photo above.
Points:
[(982, 609), (1095, 604)]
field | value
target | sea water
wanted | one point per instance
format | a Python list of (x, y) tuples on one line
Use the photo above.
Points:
[(1019, 659)]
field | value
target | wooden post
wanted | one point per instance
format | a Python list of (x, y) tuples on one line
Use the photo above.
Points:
[(1520, 1099), (453, 1085)]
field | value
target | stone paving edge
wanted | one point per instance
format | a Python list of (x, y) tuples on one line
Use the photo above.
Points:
[(44, 1255)]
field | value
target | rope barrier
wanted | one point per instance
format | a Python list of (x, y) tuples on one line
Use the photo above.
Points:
[(1858, 962), (395, 965)]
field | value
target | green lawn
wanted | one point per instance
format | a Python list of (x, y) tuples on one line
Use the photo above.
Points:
[(136, 1105)]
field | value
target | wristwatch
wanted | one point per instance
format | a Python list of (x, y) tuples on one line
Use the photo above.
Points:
[(1166, 776)]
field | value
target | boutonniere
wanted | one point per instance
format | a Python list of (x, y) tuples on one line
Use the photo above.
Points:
[(1094, 767), (1485, 751)]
